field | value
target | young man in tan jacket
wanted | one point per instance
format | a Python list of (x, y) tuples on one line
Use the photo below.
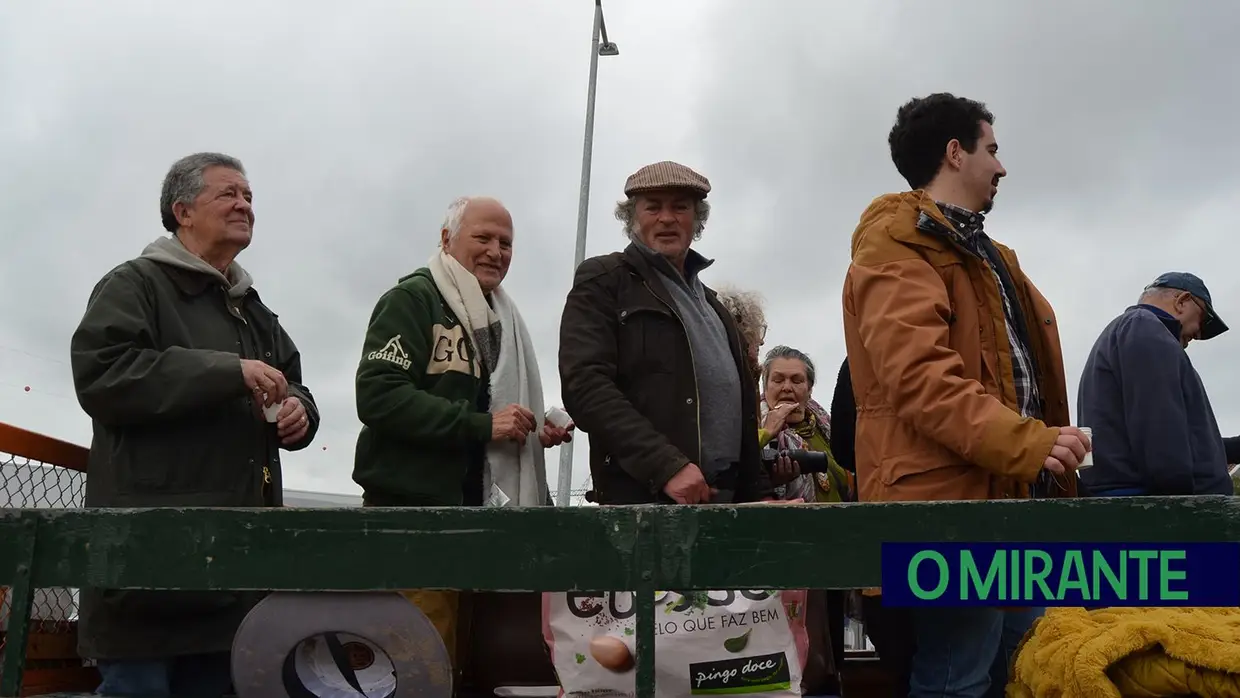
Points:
[(956, 367)]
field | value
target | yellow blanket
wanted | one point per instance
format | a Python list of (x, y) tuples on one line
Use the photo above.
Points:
[(1114, 652)]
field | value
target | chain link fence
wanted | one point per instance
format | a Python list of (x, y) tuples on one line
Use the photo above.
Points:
[(29, 483), (576, 498)]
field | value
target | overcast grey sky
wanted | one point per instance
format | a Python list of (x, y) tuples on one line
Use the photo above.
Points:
[(360, 122)]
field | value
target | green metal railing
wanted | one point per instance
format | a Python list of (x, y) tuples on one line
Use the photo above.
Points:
[(641, 548)]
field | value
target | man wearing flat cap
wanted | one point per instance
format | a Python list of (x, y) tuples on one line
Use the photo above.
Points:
[(652, 366), (1153, 428)]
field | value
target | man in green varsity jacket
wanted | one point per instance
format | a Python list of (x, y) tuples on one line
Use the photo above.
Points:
[(448, 388)]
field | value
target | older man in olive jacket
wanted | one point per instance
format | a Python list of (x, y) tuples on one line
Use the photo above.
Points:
[(193, 387)]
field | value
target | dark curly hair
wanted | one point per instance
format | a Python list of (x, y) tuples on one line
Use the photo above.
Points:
[(925, 125)]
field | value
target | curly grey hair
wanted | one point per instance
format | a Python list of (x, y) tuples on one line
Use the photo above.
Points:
[(783, 352), (626, 213), (746, 309), (184, 182)]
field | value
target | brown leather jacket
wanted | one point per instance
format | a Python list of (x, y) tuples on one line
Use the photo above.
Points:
[(627, 379), (932, 367)]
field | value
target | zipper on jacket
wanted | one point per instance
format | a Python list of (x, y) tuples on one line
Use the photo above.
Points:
[(697, 397), (235, 311)]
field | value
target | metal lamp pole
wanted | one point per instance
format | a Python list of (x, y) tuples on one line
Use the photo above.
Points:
[(606, 48)]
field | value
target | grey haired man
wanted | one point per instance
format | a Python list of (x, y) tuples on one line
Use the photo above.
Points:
[(652, 365), (193, 387)]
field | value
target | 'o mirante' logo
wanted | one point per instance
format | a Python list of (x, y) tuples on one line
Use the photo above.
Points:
[(1061, 574)]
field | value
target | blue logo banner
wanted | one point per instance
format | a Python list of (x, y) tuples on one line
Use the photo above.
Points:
[(1061, 574)]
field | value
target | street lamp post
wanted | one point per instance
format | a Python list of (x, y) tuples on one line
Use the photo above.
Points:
[(606, 48)]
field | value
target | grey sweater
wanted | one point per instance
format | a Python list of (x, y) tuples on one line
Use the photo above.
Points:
[(719, 382)]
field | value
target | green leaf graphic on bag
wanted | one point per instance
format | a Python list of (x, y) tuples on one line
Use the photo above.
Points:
[(738, 643), (690, 601)]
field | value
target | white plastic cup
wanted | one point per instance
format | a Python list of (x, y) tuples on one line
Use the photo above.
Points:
[(558, 417), (271, 413), (1088, 461)]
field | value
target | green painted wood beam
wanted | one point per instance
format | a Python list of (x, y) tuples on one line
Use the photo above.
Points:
[(554, 549)]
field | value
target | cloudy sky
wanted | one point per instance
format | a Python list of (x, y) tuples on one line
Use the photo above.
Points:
[(359, 123)]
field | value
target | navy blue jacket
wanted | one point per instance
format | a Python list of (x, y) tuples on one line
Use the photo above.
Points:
[(1153, 427)]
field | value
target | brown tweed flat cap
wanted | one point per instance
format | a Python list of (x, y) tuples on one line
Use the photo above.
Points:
[(666, 175)]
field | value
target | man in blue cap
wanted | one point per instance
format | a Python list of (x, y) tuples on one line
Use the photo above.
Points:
[(1154, 431)]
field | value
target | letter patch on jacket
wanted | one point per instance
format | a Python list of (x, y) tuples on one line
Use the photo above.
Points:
[(393, 352), (450, 352)]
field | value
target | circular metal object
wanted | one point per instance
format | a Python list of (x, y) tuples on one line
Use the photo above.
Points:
[(339, 645)]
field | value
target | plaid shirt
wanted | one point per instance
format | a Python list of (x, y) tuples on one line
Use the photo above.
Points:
[(968, 232)]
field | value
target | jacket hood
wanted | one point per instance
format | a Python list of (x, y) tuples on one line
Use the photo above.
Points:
[(884, 210), (170, 251)]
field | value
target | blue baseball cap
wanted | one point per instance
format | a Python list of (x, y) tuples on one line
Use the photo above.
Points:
[(1183, 281)]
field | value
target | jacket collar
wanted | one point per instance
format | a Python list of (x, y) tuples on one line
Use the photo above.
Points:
[(916, 220), (695, 262), (913, 218), (643, 260), (1168, 320), (192, 284)]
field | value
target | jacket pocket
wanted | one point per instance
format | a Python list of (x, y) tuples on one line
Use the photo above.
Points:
[(903, 453), (646, 339), (211, 452), (906, 468)]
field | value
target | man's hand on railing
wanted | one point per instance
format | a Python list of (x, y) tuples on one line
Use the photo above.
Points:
[(688, 486)]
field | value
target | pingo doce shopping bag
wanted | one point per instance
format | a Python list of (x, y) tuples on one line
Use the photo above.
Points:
[(747, 642)]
